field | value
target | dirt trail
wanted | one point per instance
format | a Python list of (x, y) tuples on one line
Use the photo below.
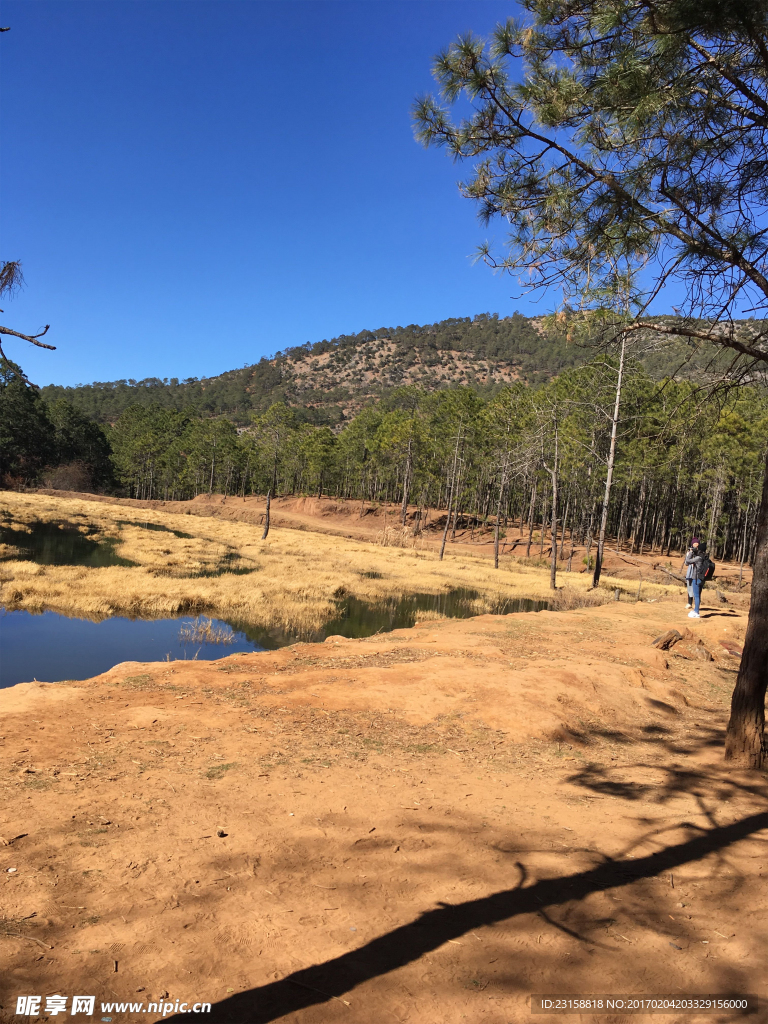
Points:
[(423, 826), (364, 521)]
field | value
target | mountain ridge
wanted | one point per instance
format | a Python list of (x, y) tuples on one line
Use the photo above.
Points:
[(328, 381), (331, 379)]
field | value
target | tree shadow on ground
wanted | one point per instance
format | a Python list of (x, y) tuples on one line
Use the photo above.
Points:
[(676, 761), (401, 946)]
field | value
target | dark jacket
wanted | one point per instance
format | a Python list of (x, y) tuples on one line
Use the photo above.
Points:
[(699, 560)]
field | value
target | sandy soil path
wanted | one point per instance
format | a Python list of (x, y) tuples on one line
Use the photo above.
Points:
[(424, 826)]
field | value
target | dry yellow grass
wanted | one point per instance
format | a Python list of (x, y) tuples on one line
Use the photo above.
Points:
[(290, 581)]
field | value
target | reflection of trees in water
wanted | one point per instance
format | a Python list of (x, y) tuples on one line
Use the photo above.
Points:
[(52, 543), (356, 618)]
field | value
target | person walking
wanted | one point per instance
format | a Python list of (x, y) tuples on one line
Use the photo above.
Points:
[(697, 560)]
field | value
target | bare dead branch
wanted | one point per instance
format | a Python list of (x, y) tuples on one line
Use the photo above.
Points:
[(31, 338), (701, 335)]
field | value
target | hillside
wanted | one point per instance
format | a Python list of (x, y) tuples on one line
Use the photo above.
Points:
[(332, 379), (329, 381)]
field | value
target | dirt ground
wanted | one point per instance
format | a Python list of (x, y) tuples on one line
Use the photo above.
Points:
[(423, 826)]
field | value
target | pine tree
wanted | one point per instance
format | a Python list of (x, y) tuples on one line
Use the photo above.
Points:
[(631, 154)]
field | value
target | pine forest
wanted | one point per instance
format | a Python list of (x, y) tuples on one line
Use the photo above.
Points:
[(686, 459)]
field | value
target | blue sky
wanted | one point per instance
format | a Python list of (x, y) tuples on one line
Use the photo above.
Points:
[(191, 186)]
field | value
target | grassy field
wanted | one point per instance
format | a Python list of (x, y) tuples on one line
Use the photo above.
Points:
[(292, 581)]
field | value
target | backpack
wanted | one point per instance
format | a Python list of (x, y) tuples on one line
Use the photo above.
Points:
[(709, 571)]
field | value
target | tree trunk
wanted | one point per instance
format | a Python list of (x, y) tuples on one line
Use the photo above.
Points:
[(745, 738), (447, 520), (638, 517), (498, 518), (565, 528), (270, 492), (266, 515), (544, 514), (715, 511), (553, 567), (406, 484), (609, 475), (213, 466), (743, 547), (530, 521), (450, 495), (621, 520), (553, 475), (645, 525), (458, 502)]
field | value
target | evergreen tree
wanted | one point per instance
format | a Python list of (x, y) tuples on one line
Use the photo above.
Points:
[(80, 441), (630, 153), (27, 441)]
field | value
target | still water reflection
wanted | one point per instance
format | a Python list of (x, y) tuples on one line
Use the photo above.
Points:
[(358, 618), (60, 543), (51, 647), (50, 543)]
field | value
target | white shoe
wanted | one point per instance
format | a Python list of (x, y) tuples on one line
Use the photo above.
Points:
[(693, 615), (688, 606)]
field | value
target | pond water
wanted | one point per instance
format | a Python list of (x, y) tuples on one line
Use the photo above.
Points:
[(50, 647), (54, 543), (51, 543), (358, 618)]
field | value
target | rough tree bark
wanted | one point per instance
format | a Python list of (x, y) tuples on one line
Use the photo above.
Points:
[(745, 740)]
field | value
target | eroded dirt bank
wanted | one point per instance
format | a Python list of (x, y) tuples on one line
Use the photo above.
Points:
[(424, 826)]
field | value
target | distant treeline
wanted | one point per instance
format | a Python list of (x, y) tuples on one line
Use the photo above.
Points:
[(537, 355), (682, 467)]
